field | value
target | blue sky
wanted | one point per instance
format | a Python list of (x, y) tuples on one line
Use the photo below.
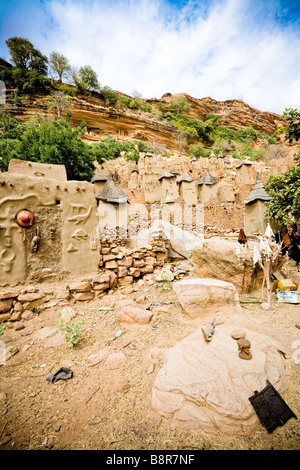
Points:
[(225, 49)]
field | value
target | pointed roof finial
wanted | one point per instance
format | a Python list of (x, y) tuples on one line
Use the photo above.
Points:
[(207, 178), (258, 192)]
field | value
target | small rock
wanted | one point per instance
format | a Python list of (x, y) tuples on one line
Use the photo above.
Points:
[(97, 357), (18, 307), (27, 315), (5, 305), (16, 316), (238, 334), (30, 297), (18, 326), (131, 314), (265, 306), (128, 290), (67, 314), (9, 294), (115, 360), (83, 296), (80, 286)]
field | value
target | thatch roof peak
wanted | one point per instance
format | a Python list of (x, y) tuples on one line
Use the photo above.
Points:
[(207, 178), (186, 177), (111, 193), (98, 178), (244, 162), (258, 192), (166, 174)]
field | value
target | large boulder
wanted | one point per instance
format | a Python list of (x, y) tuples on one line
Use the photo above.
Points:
[(216, 258), (198, 296), (207, 386)]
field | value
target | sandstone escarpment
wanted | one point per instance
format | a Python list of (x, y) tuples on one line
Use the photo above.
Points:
[(233, 113), (126, 124)]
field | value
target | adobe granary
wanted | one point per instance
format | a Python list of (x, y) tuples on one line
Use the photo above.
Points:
[(255, 219)]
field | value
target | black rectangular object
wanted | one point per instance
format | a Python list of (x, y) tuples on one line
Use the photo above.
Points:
[(271, 408)]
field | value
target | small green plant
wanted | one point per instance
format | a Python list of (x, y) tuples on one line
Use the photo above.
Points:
[(12, 349), (190, 261), (70, 331), (166, 276), (2, 328)]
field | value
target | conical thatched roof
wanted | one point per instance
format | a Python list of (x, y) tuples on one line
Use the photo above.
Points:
[(174, 171), (110, 193), (258, 192), (186, 177), (207, 178), (98, 178), (244, 162), (166, 174)]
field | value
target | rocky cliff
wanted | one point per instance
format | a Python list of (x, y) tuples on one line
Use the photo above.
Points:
[(126, 124)]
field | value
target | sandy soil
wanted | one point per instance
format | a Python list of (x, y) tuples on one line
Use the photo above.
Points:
[(108, 406)]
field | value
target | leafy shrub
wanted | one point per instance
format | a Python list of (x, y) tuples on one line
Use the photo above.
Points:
[(26, 81), (147, 108), (198, 150), (68, 89), (47, 142), (109, 95), (70, 331), (124, 101)]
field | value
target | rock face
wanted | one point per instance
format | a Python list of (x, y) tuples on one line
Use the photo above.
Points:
[(216, 258), (207, 385), (198, 296), (102, 119)]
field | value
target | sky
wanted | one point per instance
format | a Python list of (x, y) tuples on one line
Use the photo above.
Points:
[(225, 49)]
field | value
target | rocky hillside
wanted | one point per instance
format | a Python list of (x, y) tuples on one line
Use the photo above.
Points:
[(128, 124)]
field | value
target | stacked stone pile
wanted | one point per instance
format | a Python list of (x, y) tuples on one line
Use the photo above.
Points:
[(21, 304), (120, 266)]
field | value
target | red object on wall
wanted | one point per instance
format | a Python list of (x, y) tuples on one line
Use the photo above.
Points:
[(25, 218)]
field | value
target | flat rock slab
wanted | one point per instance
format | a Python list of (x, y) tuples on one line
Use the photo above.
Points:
[(201, 295), (131, 314), (207, 385)]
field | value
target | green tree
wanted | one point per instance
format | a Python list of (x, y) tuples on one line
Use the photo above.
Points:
[(88, 78), (285, 189), (59, 65), (292, 132), (47, 142), (124, 101), (26, 81), (109, 95), (198, 150), (25, 56), (107, 149), (60, 102), (180, 105)]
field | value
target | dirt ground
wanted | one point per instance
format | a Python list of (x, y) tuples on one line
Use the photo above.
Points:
[(107, 406)]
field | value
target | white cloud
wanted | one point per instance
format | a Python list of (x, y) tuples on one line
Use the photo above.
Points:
[(143, 45)]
